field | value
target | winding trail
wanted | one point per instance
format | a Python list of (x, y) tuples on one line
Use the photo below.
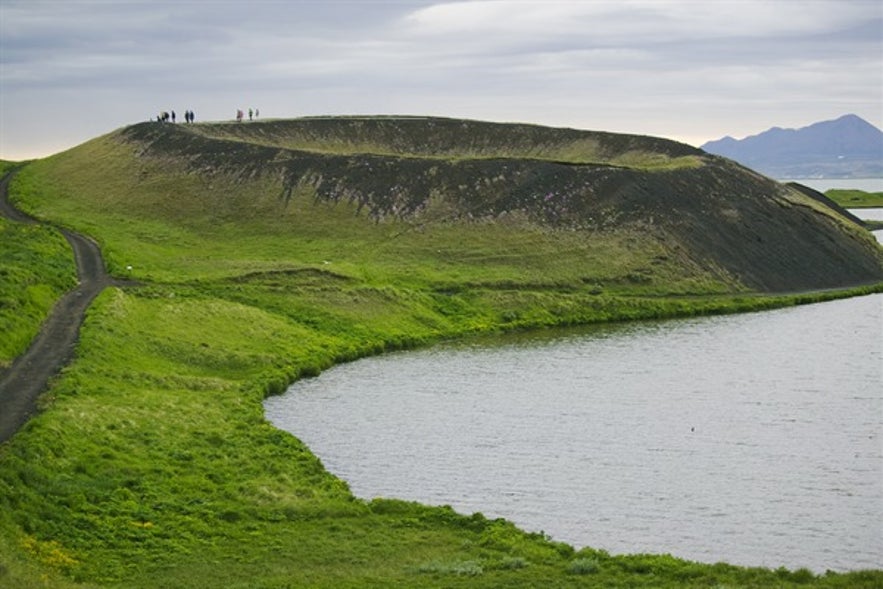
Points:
[(29, 375)]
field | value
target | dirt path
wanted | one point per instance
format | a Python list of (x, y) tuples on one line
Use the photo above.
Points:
[(29, 375)]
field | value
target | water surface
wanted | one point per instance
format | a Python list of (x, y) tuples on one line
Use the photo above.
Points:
[(753, 439), (825, 184), (871, 214)]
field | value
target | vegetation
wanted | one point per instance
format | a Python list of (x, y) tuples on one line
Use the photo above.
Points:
[(859, 199), (454, 139), (5, 166), (151, 464), (36, 268), (855, 199)]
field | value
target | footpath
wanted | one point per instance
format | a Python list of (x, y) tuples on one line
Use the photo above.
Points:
[(28, 376)]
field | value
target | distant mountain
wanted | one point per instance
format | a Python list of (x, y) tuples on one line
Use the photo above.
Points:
[(848, 147)]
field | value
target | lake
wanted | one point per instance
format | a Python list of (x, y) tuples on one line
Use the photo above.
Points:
[(755, 439), (871, 214), (825, 184), (875, 214)]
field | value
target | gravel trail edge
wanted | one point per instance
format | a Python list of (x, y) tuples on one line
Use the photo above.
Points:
[(53, 347)]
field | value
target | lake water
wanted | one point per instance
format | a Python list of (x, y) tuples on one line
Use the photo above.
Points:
[(875, 214), (825, 184), (755, 439), (871, 214)]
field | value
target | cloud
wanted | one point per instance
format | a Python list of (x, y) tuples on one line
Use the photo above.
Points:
[(637, 21), (650, 66)]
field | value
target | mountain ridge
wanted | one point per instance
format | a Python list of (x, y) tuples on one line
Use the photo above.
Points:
[(846, 147)]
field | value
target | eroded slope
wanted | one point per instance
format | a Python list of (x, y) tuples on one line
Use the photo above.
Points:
[(768, 236)]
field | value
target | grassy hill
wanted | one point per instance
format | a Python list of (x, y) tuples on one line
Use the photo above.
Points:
[(269, 251), (566, 207)]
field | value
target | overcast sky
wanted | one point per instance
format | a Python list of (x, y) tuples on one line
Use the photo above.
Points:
[(691, 70)]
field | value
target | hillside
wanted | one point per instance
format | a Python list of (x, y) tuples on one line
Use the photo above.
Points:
[(260, 253), (848, 147), (680, 214)]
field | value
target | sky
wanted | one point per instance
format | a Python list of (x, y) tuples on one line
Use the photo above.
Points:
[(689, 70)]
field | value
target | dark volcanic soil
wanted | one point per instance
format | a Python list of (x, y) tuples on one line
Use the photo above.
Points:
[(765, 234), (27, 378)]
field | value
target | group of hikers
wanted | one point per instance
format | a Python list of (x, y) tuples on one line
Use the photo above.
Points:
[(189, 116), (165, 116), (253, 113)]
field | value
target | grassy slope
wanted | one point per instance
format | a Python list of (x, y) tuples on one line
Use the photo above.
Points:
[(171, 224), (856, 199), (36, 267), (455, 139), (715, 212), (152, 464)]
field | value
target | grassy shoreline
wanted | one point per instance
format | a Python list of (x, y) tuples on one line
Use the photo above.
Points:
[(855, 199), (859, 199), (151, 463), (171, 465)]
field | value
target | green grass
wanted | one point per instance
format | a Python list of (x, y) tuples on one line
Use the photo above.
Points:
[(179, 226), (855, 199), (455, 140), (5, 166), (36, 268), (151, 464)]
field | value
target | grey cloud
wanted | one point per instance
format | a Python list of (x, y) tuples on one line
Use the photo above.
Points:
[(674, 62)]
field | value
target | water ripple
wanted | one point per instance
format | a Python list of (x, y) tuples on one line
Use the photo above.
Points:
[(753, 439)]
